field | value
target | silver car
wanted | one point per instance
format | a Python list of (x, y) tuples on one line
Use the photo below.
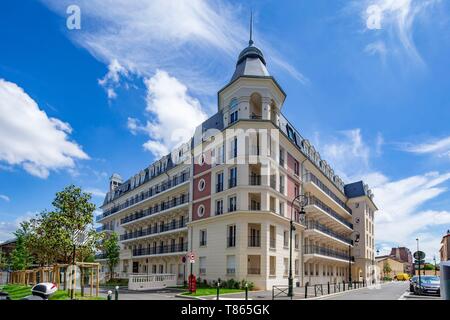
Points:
[(427, 285)]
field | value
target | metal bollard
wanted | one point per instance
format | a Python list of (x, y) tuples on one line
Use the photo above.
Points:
[(328, 287), (116, 293), (109, 295), (343, 285), (218, 288), (246, 291), (306, 291)]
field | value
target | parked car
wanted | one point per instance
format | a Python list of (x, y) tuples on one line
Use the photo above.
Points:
[(402, 277), (429, 285), (411, 283)]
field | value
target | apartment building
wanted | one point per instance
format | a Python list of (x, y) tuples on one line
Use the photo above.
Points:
[(228, 198), (444, 250)]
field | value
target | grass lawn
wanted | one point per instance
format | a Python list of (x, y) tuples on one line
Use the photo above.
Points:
[(17, 292), (210, 292)]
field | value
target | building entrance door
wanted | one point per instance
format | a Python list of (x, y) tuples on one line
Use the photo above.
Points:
[(135, 267)]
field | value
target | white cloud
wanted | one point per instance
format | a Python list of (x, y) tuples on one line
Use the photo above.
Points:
[(29, 138), (394, 20), (405, 204), (377, 47), (189, 39), (440, 147), (95, 192), (112, 79), (4, 198), (7, 228), (174, 112), (347, 153)]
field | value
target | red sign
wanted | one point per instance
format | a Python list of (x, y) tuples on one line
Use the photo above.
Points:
[(192, 283)]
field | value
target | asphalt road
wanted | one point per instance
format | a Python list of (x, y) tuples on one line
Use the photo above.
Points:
[(386, 291)]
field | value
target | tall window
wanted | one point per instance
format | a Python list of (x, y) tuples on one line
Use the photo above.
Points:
[(286, 239), (234, 147), (296, 167), (202, 265), (202, 238), (231, 265), (281, 184), (219, 207), (233, 117), (219, 179), (233, 178), (273, 265), (232, 204), (231, 236), (282, 157), (220, 155)]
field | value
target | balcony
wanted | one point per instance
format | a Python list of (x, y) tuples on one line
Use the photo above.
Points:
[(184, 199), (255, 180), (152, 192), (177, 248), (153, 231), (313, 249), (320, 227), (316, 202), (254, 241), (104, 228), (232, 183), (309, 177), (231, 242)]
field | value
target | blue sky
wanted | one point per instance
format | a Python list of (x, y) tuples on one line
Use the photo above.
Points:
[(367, 83)]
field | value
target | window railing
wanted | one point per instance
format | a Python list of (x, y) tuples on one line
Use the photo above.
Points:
[(254, 271), (231, 242), (153, 230), (313, 249), (256, 206), (318, 226), (254, 241), (231, 270), (166, 205), (232, 183), (327, 209), (150, 193), (309, 177), (255, 180), (273, 243), (180, 247)]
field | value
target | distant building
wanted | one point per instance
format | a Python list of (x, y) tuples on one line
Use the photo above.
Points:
[(396, 266), (7, 247), (445, 247), (404, 255)]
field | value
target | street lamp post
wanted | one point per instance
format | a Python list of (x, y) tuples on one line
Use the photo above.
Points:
[(420, 280), (303, 202), (435, 270)]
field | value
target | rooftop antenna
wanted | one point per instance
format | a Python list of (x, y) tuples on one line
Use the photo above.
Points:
[(250, 43)]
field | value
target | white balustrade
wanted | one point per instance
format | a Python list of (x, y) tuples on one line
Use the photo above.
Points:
[(151, 281)]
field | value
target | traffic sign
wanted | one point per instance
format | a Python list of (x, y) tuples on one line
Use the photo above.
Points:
[(419, 255), (191, 257)]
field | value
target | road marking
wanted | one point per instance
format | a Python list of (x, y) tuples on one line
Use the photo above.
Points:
[(403, 296)]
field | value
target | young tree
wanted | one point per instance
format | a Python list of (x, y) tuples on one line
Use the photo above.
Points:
[(111, 249), (21, 259), (386, 268)]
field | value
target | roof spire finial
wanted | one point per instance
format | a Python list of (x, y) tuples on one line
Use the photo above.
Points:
[(250, 43)]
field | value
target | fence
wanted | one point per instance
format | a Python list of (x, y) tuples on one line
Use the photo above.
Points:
[(330, 288), (141, 282)]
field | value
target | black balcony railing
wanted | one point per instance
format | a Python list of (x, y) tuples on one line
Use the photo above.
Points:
[(180, 247), (232, 183), (255, 180), (231, 270), (327, 209), (165, 205), (273, 243), (254, 241), (318, 226), (312, 178), (154, 230), (231, 242), (255, 116), (254, 271), (152, 192), (312, 249)]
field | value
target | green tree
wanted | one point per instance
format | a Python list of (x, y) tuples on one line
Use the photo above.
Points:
[(21, 258), (386, 268), (111, 249)]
